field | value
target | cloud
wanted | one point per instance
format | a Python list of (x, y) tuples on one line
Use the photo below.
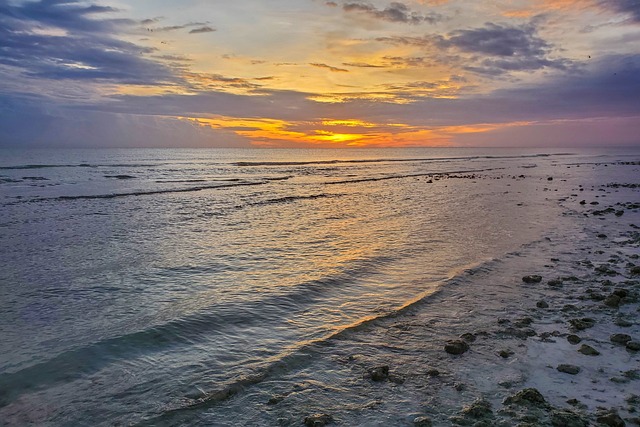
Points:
[(395, 12), (491, 50), (329, 67), (361, 65), (631, 7), (205, 29), (61, 39)]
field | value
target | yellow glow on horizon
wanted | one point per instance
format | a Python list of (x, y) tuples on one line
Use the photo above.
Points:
[(342, 132)]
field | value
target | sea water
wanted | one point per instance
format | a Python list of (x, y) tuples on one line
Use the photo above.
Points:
[(138, 283)]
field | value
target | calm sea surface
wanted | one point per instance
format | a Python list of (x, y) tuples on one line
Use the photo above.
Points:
[(139, 282)]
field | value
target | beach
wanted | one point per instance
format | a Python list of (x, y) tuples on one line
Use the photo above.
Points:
[(559, 349), (544, 333)]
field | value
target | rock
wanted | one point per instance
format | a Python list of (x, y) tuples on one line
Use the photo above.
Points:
[(605, 269), (623, 323), (542, 304), (456, 347), (433, 373), (620, 339), (528, 396), (379, 373), (568, 369), (583, 202), (587, 350), (555, 283), (596, 296), (612, 301), (274, 400), (459, 386), (582, 324), (459, 421), (564, 418), (478, 409), (633, 345), (523, 322), (422, 422), (318, 420), (634, 271), (619, 213), (505, 353), (574, 339), (602, 236), (610, 418), (532, 279), (621, 292), (468, 337), (550, 178)]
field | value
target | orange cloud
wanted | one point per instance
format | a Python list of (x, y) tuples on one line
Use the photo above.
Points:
[(341, 132)]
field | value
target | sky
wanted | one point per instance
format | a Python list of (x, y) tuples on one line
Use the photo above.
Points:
[(317, 73)]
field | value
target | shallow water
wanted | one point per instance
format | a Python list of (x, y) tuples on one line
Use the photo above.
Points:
[(140, 282)]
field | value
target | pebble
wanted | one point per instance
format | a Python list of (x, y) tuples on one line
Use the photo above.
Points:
[(525, 397), (565, 418), (582, 324), (422, 422), (623, 323), (610, 418), (379, 373), (433, 373), (587, 350), (318, 420), (532, 279), (468, 337), (542, 304), (479, 409), (555, 283), (633, 345), (574, 339), (568, 369), (620, 338), (456, 347), (505, 353), (612, 301)]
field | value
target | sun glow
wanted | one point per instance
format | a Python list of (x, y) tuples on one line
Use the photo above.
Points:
[(328, 132)]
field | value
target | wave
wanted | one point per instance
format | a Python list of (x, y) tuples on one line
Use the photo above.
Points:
[(300, 353), (289, 199), (80, 165), (144, 192), (428, 159), (453, 174), (188, 330)]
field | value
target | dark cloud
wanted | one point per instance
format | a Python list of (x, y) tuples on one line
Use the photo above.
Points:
[(62, 39), (329, 67), (205, 29), (631, 7), (68, 14), (492, 50), (395, 12)]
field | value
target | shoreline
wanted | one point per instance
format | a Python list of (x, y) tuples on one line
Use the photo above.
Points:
[(540, 350)]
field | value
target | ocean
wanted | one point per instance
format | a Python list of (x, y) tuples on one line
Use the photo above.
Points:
[(144, 287)]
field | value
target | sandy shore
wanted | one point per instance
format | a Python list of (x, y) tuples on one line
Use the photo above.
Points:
[(548, 335)]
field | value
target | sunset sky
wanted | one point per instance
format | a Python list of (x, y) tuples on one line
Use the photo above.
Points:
[(311, 73)]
